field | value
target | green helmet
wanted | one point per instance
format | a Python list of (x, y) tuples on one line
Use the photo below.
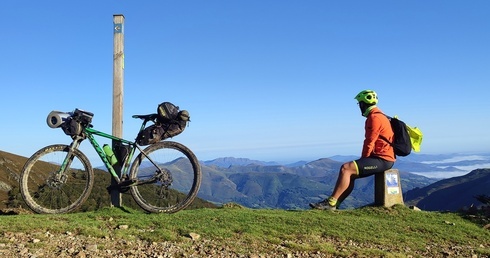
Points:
[(367, 96)]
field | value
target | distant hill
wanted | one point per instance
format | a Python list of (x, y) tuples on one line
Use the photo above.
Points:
[(231, 161), (436, 166), (451, 194)]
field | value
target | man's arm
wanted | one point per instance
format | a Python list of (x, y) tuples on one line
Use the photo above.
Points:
[(372, 129)]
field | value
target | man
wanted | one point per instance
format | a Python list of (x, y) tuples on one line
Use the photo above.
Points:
[(377, 154)]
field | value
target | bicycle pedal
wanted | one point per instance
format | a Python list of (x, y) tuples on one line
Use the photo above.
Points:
[(123, 189)]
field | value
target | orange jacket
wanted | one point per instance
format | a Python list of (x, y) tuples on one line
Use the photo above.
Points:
[(378, 124)]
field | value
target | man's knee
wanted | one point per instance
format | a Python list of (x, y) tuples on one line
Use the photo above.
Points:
[(349, 168)]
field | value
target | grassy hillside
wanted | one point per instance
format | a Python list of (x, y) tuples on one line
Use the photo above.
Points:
[(233, 231), (452, 193), (11, 165)]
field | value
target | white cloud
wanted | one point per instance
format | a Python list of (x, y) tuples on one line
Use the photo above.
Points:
[(458, 159)]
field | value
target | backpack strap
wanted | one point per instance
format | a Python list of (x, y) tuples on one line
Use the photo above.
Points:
[(381, 136), (386, 140)]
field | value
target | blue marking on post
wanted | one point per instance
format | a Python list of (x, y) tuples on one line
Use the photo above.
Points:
[(118, 28)]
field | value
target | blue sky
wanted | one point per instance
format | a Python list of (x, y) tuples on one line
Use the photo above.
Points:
[(268, 80)]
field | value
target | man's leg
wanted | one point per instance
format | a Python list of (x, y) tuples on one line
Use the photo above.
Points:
[(345, 183)]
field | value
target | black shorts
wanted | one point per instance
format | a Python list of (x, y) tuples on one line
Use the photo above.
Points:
[(372, 165)]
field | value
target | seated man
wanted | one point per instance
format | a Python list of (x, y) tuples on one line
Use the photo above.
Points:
[(377, 154)]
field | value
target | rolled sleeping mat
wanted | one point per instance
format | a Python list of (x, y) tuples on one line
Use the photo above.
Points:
[(56, 118)]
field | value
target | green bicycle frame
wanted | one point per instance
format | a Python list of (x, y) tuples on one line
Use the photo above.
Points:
[(90, 133)]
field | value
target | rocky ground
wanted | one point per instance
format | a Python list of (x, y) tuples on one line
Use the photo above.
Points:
[(68, 244), (39, 244)]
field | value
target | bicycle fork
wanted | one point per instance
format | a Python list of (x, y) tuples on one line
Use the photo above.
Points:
[(59, 177)]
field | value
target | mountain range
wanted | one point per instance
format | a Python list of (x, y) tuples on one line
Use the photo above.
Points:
[(426, 181), (259, 184)]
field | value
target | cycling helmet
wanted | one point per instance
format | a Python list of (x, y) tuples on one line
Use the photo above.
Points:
[(367, 96)]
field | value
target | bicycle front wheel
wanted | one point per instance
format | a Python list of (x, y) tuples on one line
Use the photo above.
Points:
[(166, 176), (46, 189)]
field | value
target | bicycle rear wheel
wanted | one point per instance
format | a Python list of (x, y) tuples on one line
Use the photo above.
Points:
[(46, 190), (171, 186)]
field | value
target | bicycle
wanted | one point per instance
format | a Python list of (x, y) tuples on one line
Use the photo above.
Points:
[(163, 178)]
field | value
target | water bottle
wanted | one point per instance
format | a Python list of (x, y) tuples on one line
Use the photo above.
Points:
[(110, 154)]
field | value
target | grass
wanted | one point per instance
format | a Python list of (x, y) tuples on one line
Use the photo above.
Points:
[(369, 231)]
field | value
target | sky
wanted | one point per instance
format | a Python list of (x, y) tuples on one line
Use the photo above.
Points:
[(268, 80)]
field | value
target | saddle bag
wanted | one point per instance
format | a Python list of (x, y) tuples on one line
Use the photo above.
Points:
[(171, 122), (151, 134), (159, 132)]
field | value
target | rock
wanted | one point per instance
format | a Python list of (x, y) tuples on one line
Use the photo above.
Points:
[(91, 247), (415, 208), (123, 227), (450, 223), (194, 236)]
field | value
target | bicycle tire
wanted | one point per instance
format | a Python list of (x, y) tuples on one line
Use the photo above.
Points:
[(43, 193), (176, 187)]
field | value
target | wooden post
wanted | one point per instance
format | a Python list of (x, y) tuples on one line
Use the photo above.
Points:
[(117, 97)]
